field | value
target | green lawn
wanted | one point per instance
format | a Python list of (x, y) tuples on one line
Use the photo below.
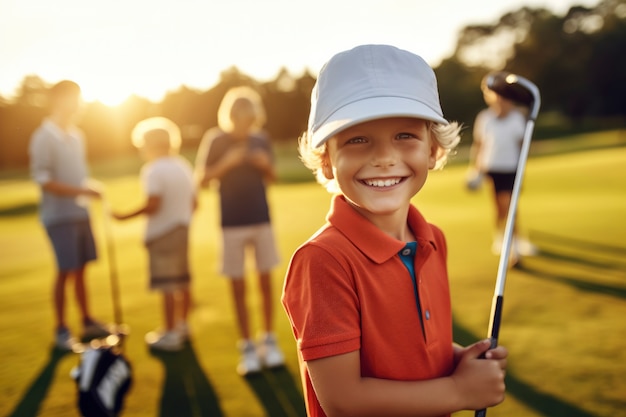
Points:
[(563, 318)]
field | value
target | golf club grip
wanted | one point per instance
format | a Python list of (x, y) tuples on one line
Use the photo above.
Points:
[(494, 330)]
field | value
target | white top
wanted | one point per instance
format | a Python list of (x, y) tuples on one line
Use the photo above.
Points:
[(501, 139), (171, 178), (58, 155)]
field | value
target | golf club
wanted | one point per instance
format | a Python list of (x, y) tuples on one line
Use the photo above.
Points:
[(121, 329), (524, 92)]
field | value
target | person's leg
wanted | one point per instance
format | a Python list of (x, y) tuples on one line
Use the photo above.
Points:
[(80, 294), (266, 258), (58, 299), (503, 201), (265, 283), (238, 289), (184, 301), (168, 310)]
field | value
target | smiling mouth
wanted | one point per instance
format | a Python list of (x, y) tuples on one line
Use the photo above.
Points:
[(382, 183)]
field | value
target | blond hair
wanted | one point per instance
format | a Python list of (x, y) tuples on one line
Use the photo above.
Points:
[(237, 101), (156, 132), (447, 138)]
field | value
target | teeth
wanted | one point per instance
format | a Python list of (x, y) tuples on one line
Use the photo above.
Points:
[(383, 183)]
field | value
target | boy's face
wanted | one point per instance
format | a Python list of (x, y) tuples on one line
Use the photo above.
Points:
[(380, 165)]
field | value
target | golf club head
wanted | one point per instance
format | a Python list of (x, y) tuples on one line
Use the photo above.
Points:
[(515, 88)]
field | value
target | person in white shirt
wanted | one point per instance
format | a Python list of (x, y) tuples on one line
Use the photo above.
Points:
[(498, 134), (59, 166), (171, 200)]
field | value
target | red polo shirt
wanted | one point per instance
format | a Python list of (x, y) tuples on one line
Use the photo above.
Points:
[(347, 289)]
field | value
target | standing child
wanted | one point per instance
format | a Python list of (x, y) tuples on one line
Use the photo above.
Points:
[(239, 156), (171, 199), (498, 135), (59, 166), (368, 295)]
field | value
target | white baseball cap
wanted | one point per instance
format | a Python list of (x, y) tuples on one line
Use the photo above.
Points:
[(371, 82)]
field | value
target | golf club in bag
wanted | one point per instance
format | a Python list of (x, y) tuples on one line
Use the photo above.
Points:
[(103, 375), (524, 92)]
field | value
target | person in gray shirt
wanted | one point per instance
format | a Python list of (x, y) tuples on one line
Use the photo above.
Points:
[(58, 165)]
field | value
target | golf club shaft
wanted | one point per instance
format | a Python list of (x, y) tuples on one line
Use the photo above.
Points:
[(498, 297), (115, 290)]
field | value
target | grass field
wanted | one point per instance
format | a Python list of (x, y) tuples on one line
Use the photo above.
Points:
[(563, 319)]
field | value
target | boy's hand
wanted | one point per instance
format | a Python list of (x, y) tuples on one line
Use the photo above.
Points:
[(480, 382), (260, 159), (93, 189), (234, 156)]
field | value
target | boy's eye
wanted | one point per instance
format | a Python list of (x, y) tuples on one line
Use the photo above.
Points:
[(405, 135), (358, 139)]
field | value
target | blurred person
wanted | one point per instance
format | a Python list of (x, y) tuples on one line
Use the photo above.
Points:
[(58, 165), (368, 294), (497, 141), (238, 155), (171, 200)]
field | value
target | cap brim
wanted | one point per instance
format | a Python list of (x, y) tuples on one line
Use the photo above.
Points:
[(372, 109)]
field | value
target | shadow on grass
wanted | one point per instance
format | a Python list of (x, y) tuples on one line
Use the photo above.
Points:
[(19, 210), (36, 393), (563, 253), (187, 392), (542, 403), (277, 391), (592, 287)]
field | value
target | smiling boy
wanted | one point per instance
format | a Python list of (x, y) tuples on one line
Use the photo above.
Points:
[(368, 296)]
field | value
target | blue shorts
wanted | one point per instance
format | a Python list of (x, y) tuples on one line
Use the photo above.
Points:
[(73, 244)]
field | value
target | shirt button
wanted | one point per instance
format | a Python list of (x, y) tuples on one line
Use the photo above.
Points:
[(427, 314), (406, 251)]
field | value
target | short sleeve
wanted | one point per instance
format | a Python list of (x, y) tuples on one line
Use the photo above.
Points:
[(151, 181), (322, 304), (40, 159)]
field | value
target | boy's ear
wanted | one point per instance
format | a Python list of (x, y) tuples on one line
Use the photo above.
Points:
[(327, 169), (434, 153)]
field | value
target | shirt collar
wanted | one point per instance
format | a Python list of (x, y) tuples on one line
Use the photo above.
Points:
[(373, 242), (59, 133)]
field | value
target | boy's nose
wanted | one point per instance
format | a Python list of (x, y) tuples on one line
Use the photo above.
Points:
[(384, 155)]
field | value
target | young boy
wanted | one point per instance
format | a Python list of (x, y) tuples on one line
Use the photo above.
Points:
[(59, 166), (171, 199), (367, 295), (498, 135), (239, 156)]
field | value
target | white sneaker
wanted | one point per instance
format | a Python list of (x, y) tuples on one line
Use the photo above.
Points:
[(250, 361), (183, 329), (170, 341), (63, 339), (526, 248), (270, 353)]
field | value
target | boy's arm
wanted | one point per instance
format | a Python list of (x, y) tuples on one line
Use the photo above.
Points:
[(152, 206), (262, 160), (475, 384), (231, 159)]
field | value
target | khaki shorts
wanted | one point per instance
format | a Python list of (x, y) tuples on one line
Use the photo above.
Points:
[(169, 261), (238, 239)]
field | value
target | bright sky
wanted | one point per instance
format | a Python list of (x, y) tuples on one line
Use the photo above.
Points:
[(118, 47)]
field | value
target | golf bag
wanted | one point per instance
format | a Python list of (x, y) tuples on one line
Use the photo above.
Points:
[(103, 378)]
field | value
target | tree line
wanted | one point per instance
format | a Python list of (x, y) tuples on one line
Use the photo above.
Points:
[(577, 60)]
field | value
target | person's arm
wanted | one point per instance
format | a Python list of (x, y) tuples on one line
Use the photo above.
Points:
[(67, 190), (475, 384), (262, 161), (152, 205), (477, 144)]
